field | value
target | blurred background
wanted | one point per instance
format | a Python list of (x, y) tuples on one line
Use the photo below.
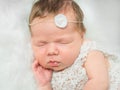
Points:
[(102, 21)]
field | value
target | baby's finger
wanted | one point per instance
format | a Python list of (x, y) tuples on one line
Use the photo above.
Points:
[(35, 65)]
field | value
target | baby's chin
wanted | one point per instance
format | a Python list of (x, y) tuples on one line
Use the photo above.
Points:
[(56, 69)]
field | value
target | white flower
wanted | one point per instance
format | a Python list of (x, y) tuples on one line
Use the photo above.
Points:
[(60, 21)]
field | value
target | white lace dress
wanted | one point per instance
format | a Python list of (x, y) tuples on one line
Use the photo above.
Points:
[(75, 77)]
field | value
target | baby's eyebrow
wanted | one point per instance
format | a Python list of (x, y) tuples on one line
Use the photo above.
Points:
[(41, 41), (56, 40), (63, 39)]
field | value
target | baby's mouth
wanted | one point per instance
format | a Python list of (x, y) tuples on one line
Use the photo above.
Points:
[(54, 63)]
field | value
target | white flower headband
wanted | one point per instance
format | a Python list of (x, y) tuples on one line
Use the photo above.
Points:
[(60, 21)]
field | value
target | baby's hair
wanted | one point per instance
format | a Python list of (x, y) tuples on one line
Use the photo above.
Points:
[(43, 8)]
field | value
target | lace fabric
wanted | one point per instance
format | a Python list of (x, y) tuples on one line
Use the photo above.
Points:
[(75, 77)]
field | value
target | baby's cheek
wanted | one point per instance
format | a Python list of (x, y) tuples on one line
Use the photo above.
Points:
[(42, 63)]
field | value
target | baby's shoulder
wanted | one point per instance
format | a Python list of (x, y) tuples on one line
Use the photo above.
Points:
[(95, 57), (92, 54)]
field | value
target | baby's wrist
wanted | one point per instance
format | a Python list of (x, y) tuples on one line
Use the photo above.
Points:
[(46, 87)]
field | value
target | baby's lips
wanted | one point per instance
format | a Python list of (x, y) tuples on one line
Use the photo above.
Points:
[(54, 63)]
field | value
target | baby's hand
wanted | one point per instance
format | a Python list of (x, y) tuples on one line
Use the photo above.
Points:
[(43, 76)]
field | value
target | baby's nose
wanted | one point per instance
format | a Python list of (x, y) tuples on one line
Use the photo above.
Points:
[(52, 49)]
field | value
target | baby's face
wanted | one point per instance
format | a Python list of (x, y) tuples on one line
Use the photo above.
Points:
[(53, 47)]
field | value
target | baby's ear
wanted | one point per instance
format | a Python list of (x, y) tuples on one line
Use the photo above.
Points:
[(82, 34)]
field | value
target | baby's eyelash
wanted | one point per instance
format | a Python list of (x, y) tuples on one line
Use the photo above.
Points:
[(64, 42), (41, 44)]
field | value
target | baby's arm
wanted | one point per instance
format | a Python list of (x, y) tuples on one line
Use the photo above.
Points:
[(97, 71), (43, 76)]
